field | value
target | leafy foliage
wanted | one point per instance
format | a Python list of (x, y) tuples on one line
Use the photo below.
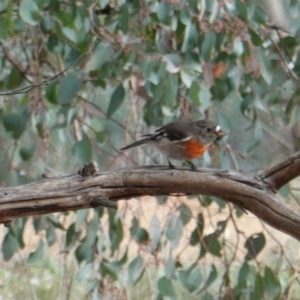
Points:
[(79, 79)]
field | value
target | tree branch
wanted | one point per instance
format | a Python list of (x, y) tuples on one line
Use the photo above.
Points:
[(282, 173), (57, 194)]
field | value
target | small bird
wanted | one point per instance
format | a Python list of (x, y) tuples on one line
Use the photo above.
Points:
[(182, 140)]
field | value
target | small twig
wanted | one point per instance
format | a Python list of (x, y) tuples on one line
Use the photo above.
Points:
[(232, 157), (27, 89), (290, 72), (14, 63)]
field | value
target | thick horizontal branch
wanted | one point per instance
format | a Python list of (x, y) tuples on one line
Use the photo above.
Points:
[(76, 192)]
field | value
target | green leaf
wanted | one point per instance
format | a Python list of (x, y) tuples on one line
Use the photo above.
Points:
[(170, 268), (190, 279), (246, 105), (205, 97), (221, 225), (83, 149), (29, 12), (50, 235), (26, 153), (71, 236), (195, 238), (53, 220), (155, 232), (193, 62), (207, 296), (271, 284), (101, 54), (38, 254), (4, 4), (14, 79), (47, 25), (213, 9), (185, 213), (255, 38), (124, 19), (198, 231), (92, 285), (113, 268), (174, 230), (70, 34), (171, 228), (212, 244), (163, 12), (190, 38), (91, 231), (173, 61), (244, 271), (241, 10), (116, 100), (135, 269), (81, 216), (134, 226), (155, 72), (187, 77), (40, 129), (254, 244), (257, 291), (165, 287), (170, 90), (18, 229), (157, 89), (267, 71), (141, 236), (51, 93), (9, 246), (101, 245), (100, 136), (38, 223), (85, 272), (115, 231), (185, 16), (194, 93), (84, 252), (213, 275), (208, 45), (200, 96), (15, 123), (68, 88)]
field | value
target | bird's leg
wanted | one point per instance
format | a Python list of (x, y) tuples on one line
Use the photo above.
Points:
[(170, 165), (192, 165)]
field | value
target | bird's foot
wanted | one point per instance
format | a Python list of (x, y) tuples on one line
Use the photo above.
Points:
[(193, 168), (170, 165)]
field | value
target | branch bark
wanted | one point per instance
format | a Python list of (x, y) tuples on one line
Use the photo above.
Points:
[(255, 194), (282, 173)]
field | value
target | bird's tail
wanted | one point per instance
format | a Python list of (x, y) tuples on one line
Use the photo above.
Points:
[(136, 144)]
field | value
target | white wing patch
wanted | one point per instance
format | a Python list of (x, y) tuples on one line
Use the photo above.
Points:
[(162, 134), (218, 128), (182, 140)]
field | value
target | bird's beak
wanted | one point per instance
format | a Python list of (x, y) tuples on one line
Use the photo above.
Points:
[(221, 134)]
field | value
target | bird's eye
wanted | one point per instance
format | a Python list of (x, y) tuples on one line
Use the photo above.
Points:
[(208, 129)]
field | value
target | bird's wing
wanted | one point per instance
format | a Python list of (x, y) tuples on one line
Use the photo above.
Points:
[(173, 132)]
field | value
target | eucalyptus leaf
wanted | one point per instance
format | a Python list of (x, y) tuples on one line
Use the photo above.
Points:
[(135, 269), (68, 88), (116, 100), (38, 253)]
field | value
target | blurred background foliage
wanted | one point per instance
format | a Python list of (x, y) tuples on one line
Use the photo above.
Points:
[(81, 79)]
